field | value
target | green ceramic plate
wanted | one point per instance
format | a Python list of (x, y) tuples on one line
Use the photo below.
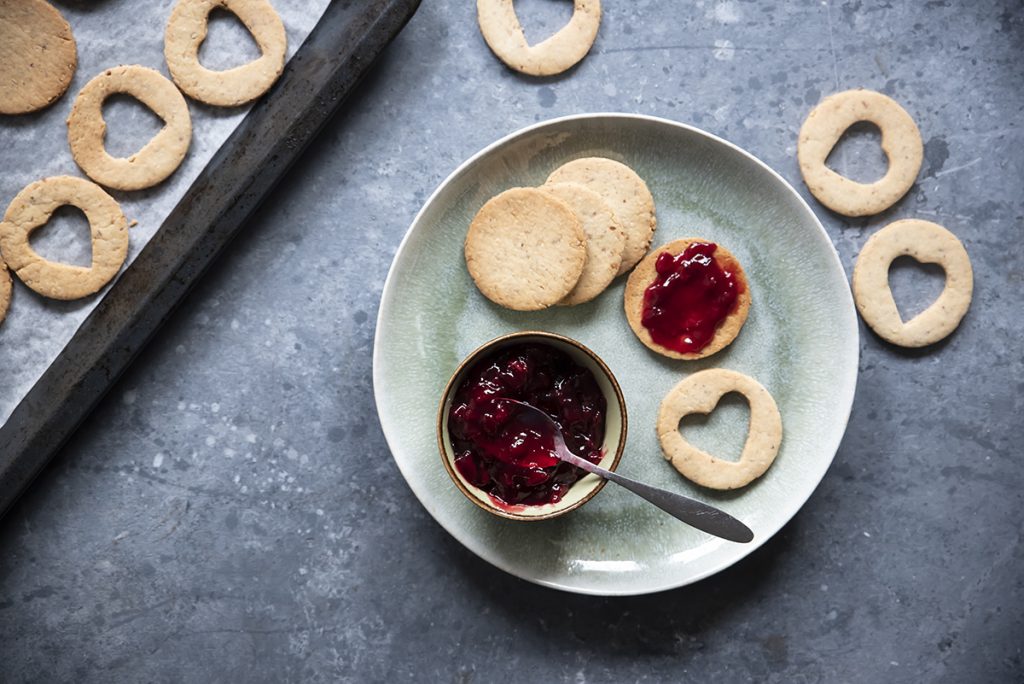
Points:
[(800, 341)]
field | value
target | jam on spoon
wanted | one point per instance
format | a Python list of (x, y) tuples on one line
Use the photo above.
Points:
[(690, 297), (510, 459)]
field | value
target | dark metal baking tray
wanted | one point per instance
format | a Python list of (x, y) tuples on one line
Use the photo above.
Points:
[(332, 60)]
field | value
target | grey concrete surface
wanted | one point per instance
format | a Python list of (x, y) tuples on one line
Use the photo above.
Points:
[(231, 512)]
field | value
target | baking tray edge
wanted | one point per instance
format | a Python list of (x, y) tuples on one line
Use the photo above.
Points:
[(317, 79)]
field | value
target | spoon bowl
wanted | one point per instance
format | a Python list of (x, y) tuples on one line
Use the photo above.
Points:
[(690, 511)]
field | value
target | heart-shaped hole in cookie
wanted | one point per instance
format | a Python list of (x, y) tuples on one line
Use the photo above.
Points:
[(228, 44), (66, 238), (130, 125), (859, 155), (924, 242), (557, 51), (723, 432), (543, 17), (702, 393), (914, 285)]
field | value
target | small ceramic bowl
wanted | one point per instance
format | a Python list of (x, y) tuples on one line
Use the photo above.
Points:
[(614, 434)]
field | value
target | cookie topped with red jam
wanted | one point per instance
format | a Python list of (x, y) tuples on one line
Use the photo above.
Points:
[(687, 299)]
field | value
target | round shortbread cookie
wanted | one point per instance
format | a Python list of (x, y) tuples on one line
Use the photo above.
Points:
[(504, 35), (5, 290), (32, 208), (185, 32), (644, 274), (158, 158), (927, 243), (700, 393), (525, 249), (625, 192), (605, 240), (825, 125), (38, 56)]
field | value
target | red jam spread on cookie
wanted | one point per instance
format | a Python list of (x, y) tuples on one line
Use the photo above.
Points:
[(690, 297), (496, 453)]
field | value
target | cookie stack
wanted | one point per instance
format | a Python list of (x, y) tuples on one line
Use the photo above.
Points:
[(564, 242)]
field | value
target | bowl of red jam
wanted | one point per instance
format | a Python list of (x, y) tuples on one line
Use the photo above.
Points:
[(507, 469)]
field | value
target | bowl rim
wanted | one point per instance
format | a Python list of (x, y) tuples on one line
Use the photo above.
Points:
[(495, 343)]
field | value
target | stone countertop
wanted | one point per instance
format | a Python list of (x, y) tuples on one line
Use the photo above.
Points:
[(230, 511)]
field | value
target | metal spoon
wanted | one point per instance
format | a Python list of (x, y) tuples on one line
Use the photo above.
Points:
[(692, 512)]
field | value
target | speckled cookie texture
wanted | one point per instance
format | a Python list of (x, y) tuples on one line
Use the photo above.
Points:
[(38, 56), (700, 393), (525, 250), (644, 274), (826, 124), (625, 192), (158, 158), (185, 32), (928, 243), (604, 237), (504, 35), (32, 208)]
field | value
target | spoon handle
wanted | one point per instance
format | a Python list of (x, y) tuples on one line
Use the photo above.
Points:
[(692, 512)]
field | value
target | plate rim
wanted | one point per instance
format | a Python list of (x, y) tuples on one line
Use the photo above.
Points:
[(850, 384)]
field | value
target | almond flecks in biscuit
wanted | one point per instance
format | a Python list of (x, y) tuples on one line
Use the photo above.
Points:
[(525, 250), (38, 55), (605, 240), (625, 192)]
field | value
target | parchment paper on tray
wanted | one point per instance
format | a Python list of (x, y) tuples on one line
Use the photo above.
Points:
[(34, 146)]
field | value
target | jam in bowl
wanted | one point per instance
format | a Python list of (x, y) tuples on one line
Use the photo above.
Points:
[(505, 465)]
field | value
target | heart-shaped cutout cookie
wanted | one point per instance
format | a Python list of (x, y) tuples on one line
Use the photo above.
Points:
[(158, 158), (700, 393), (825, 125), (32, 208), (928, 243), (186, 30), (504, 35)]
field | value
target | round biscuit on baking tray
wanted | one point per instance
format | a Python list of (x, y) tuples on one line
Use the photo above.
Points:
[(625, 192), (37, 55), (525, 250)]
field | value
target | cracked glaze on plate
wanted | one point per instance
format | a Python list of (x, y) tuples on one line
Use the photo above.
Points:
[(800, 342)]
